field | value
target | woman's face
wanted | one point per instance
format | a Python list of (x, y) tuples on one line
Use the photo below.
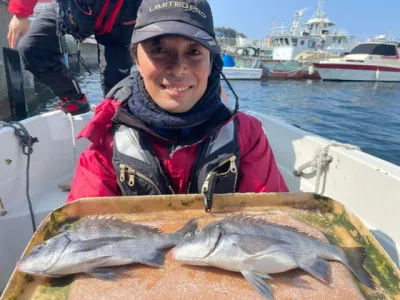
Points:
[(175, 71)]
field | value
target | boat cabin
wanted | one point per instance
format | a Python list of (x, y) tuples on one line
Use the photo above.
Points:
[(383, 50)]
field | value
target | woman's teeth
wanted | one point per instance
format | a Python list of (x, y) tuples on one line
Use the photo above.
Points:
[(176, 89)]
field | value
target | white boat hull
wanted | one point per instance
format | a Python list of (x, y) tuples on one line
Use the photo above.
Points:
[(234, 73), (364, 184), (52, 162), (358, 75)]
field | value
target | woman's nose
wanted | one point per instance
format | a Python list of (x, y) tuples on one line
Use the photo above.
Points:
[(177, 64)]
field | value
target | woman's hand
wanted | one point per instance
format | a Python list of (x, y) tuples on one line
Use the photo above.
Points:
[(18, 28)]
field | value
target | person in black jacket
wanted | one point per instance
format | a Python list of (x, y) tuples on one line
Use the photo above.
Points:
[(111, 21)]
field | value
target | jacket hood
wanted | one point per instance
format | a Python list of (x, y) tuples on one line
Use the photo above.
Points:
[(96, 130)]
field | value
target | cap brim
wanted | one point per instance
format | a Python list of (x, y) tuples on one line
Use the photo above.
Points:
[(176, 28)]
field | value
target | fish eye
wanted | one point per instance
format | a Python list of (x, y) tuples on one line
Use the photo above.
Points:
[(64, 227), (40, 246), (191, 233)]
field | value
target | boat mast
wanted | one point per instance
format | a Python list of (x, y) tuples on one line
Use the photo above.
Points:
[(295, 29), (319, 22)]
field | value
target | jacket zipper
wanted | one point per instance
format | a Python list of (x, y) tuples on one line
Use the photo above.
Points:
[(132, 173), (232, 168)]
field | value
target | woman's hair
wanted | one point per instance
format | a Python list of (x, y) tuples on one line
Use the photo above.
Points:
[(133, 51)]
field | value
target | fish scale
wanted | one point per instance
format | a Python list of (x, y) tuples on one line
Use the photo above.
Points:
[(257, 248), (97, 243)]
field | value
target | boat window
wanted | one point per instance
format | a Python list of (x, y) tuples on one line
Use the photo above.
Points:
[(294, 42), (375, 49), (311, 44), (302, 42), (282, 42), (287, 41)]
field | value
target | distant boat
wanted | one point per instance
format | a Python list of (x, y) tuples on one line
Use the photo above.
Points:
[(278, 51), (232, 72), (371, 61)]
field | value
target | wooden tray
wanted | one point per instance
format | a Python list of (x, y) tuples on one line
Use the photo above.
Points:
[(319, 216)]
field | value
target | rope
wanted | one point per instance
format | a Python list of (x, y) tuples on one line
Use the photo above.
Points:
[(72, 123), (233, 92), (26, 141), (321, 160)]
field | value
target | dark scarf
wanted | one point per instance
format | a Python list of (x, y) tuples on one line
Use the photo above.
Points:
[(142, 106)]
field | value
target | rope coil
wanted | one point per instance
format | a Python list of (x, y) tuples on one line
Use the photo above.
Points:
[(320, 161), (26, 141)]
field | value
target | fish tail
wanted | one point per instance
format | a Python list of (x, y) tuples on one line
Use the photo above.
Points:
[(191, 225), (355, 257), (177, 236)]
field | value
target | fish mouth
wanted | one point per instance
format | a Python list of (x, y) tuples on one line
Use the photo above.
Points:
[(20, 267), (176, 253), (215, 245)]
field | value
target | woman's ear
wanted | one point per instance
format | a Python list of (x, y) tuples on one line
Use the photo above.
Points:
[(138, 68), (135, 60)]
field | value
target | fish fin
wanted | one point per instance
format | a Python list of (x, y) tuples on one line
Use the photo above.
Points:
[(257, 221), (258, 283), (154, 260), (101, 221), (103, 273), (317, 267), (252, 244), (355, 257)]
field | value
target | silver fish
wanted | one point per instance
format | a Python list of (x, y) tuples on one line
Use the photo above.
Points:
[(257, 248), (97, 243)]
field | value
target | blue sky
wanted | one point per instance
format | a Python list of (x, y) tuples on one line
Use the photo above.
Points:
[(357, 17)]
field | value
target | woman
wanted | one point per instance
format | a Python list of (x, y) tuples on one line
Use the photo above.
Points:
[(165, 129)]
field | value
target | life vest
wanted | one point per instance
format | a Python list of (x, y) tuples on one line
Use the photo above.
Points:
[(139, 172), (86, 17)]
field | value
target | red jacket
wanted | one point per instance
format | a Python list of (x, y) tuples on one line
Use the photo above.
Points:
[(95, 175), (106, 13), (22, 8)]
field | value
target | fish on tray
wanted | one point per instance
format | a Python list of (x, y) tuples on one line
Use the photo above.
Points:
[(257, 248), (97, 243)]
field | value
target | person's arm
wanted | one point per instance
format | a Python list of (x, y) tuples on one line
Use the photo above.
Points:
[(94, 175), (258, 169), (19, 24)]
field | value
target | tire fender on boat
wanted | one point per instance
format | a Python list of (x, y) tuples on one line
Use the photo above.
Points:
[(311, 70)]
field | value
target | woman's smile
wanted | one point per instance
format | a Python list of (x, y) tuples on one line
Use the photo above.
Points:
[(176, 90), (175, 71)]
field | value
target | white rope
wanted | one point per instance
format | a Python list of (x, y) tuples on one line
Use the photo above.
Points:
[(321, 160), (72, 123), (3, 210)]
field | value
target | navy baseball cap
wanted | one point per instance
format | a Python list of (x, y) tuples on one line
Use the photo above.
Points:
[(190, 18)]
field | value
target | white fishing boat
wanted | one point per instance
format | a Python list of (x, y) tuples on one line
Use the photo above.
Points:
[(238, 73), (234, 71), (364, 184), (371, 61), (278, 51)]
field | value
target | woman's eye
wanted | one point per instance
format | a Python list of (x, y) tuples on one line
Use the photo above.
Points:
[(158, 49), (194, 52)]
